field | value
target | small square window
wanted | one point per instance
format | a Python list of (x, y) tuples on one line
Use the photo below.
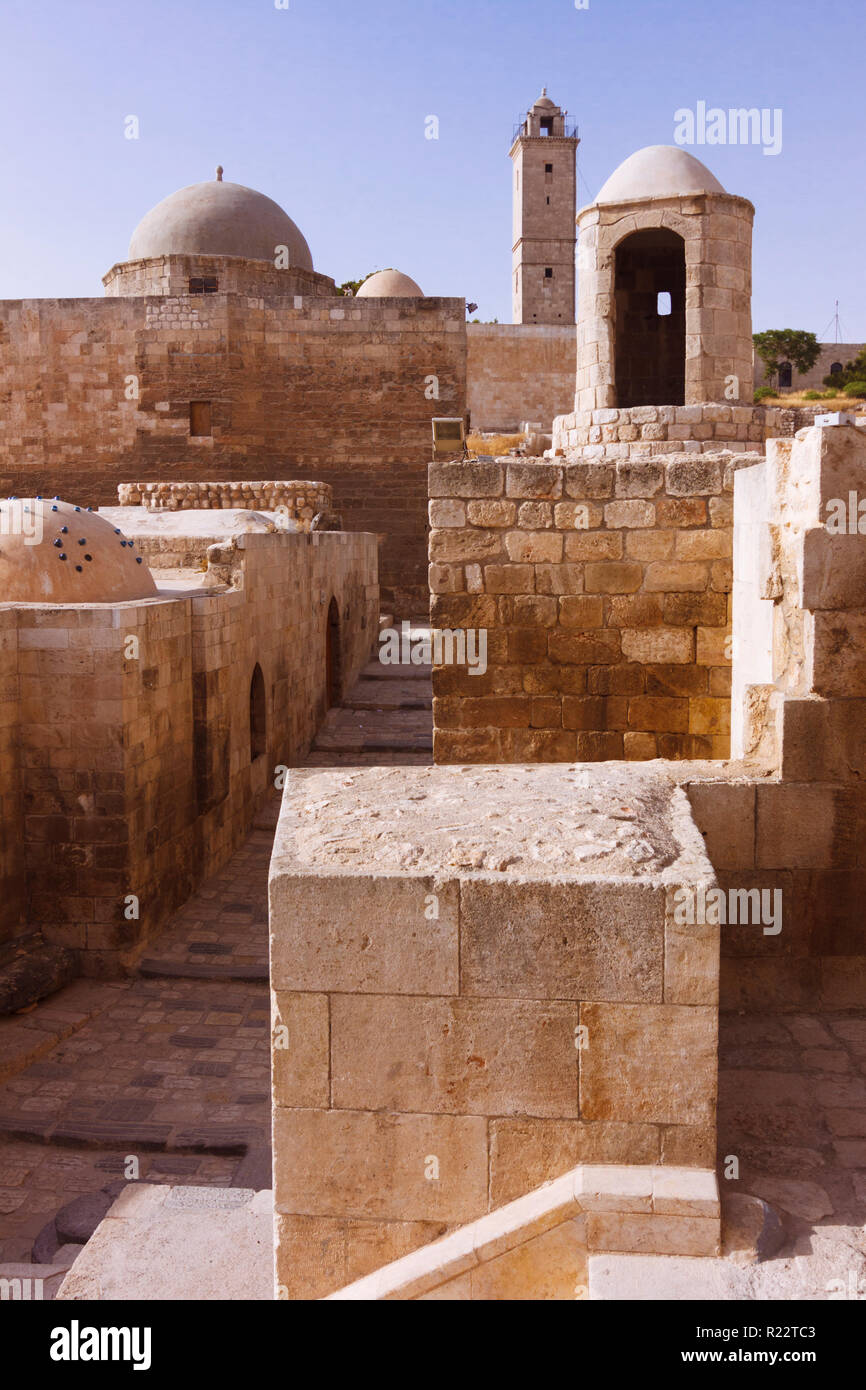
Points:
[(548, 168), (663, 303), (548, 274), (200, 418), (203, 284)]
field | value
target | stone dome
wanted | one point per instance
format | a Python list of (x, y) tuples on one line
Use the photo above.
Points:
[(389, 284), (659, 171), (219, 219), (54, 552)]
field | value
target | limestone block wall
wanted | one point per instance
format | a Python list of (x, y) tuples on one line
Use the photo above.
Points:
[(646, 431), (798, 826), (11, 841), (519, 372), (97, 392), (604, 590), (716, 230), (465, 1005), (133, 730)]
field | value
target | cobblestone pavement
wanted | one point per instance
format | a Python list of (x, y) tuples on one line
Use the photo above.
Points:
[(171, 1068)]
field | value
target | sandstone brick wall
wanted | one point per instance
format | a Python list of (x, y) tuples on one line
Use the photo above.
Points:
[(336, 389), (605, 592), (135, 768), (519, 372)]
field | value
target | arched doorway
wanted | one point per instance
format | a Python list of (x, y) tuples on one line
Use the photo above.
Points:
[(333, 676), (258, 715), (650, 319)]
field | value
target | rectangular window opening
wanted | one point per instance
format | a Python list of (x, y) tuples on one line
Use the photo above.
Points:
[(548, 274), (663, 303), (548, 168), (203, 284), (200, 418)]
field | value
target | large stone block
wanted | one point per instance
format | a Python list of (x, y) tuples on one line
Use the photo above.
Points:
[(383, 1167), (562, 940), (457, 1056), (649, 1063)]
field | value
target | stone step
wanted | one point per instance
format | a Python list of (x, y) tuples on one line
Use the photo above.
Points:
[(377, 694), (378, 670), (367, 731), (155, 969)]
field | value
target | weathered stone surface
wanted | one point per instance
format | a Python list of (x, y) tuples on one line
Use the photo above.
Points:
[(459, 1056), (654, 1063)]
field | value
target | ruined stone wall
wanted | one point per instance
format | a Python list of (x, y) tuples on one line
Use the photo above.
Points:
[(519, 372), (647, 431), (135, 756), (800, 716), (97, 392), (11, 843), (604, 589)]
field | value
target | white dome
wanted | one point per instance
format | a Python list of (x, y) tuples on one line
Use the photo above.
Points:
[(389, 284), (219, 219), (659, 171)]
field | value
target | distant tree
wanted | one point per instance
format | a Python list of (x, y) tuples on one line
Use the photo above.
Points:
[(794, 345)]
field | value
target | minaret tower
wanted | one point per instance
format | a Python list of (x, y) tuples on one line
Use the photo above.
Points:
[(543, 155)]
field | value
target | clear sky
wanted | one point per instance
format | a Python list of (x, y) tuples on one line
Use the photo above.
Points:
[(323, 105)]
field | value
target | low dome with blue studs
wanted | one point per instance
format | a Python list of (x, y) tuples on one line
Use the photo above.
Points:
[(56, 552)]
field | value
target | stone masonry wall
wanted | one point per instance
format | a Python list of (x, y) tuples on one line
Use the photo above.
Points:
[(135, 759), (301, 501), (11, 844), (519, 372), (604, 589), (95, 392)]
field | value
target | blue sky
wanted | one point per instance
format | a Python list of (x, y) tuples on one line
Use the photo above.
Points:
[(322, 106)]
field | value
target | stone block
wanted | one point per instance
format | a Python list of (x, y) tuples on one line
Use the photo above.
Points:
[(363, 933), (634, 1068), (606, 944), (380, 1167), (299, 1055), (459, 1056)]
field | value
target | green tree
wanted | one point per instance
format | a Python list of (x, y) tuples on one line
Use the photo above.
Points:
[(794, 345)]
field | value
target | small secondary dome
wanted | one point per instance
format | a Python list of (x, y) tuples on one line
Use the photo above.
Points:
[(389, 284), (659, 171), (219, 219), (54, 552)]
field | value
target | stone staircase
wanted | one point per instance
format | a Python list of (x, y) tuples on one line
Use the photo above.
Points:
[(386, 717)]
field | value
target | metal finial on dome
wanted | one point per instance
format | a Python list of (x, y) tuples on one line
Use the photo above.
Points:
[(544, 91), (219, 173)]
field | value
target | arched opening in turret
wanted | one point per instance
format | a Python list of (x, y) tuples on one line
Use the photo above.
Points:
[(650, 306)]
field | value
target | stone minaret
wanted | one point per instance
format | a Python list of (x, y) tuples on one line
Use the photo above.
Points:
[(543, 155)]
